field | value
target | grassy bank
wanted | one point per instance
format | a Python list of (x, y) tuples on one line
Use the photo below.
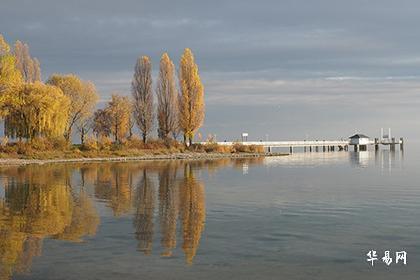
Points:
[(103, 149)]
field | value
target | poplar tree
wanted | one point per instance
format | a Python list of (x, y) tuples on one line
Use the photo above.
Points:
[(167, 97), (29, 67), (141, 90), (191, 99)]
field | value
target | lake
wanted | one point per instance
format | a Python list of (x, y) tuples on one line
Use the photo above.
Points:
[(304, 216)]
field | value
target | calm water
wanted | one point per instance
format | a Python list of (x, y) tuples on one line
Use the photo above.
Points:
[(306, 216)]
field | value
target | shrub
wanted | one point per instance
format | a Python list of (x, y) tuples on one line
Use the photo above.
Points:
[(4, 141), (59, 143), (104, 143), (215, 148), (256, 149), (240, 148), (134, 143), (198, 148), (90, 144)]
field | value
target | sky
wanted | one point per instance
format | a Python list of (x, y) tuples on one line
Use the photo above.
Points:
[(278, 70)]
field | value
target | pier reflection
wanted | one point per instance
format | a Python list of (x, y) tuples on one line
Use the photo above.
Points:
[(60, 201), (384, 159)]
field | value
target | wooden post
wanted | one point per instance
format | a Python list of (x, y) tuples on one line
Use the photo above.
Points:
[(376, 144), (392, 147), (291, 149), (401, 144)]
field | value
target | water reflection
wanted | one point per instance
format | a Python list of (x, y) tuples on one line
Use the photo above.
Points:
[(166, 199), (143, 219), (384, 159), (169, 202), (193, 212), (39, 203)]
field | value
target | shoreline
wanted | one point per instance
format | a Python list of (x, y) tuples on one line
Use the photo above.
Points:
[(178, 156)]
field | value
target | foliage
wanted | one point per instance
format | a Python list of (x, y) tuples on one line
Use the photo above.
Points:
[(191, 99), (37, 110), (10, 77), (119, 113), (240, 148), (83, 98), (90, 144)]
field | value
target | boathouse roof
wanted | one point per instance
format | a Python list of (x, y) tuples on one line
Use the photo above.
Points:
[(358, 136)]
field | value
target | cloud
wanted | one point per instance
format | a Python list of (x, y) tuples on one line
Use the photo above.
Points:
[(276, 58)]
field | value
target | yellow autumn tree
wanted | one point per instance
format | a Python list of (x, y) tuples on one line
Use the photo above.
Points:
[(83, 98), (119, 111), (10, 77), (191, 99), (37, 110)]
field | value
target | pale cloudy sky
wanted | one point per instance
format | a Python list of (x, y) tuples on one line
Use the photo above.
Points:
[(290, 69)]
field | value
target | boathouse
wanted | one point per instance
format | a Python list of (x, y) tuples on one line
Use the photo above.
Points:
[(359, 141)]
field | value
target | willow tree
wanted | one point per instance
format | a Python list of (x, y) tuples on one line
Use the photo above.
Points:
[(10, 77), (191, 98), (28, 66), (141, 90), (38, 110), (167, 96), (83, 98), (119, 112)]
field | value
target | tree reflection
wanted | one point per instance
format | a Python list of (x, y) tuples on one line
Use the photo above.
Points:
[(193, 212), (168, 208), (55, 201), (39, 204), (113, 184), (143, 219), (179, 198)]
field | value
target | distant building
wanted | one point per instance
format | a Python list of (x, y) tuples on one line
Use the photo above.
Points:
[(359, 139)]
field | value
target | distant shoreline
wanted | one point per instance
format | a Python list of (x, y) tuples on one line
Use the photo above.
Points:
[(178, 156)]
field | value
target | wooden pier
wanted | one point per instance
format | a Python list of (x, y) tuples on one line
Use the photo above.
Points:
[(358, 141)]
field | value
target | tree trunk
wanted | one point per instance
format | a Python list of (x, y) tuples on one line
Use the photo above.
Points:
[(144, 138), (67, 134), (190, 141), (82, 136)]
